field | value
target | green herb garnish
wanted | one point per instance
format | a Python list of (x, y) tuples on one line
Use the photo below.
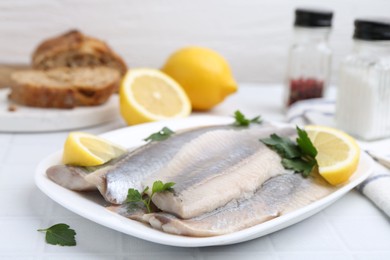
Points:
[(299, 157), (134, 196), (241, 120), (305, 144), (60, 234), (161, 135)]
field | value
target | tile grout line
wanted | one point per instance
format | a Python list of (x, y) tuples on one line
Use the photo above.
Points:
[(45, 223), (7, 148), (197, 254), (273, 250), (344, 248), (119, 244), (336, 234)]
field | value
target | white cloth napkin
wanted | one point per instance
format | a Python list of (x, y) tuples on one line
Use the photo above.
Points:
[(321, 112)]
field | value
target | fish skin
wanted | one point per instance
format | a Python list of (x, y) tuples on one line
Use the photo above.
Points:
[(70, 177), (215, 168), (114, 181), (277, 196), (73, 177)]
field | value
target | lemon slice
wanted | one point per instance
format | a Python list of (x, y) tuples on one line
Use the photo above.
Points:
[(338, 153), (85, 149), (150, 95)]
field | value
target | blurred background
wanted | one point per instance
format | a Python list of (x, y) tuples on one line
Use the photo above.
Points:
[(253, 35)]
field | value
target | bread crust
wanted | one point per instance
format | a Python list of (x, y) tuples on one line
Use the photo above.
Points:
[(68, 96), (74, 49)]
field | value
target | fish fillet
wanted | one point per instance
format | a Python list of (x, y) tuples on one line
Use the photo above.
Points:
[(73, 177), (108, 177), (70, 177), (215, 168), (114, 178), (277, 196)]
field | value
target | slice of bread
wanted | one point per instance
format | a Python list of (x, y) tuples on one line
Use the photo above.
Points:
[(5, 73), (74, 49), (64, 87)]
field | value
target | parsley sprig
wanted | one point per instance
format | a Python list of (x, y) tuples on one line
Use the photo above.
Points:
[(60, 234), (299, 156), (241, 120), (134, 196), (161, 135)]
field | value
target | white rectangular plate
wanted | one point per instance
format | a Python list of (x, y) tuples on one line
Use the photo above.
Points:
[(88, 207)]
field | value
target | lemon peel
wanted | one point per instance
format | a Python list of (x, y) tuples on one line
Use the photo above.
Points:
[(203, 73), (338, 153), (83, 149), (148, 95)]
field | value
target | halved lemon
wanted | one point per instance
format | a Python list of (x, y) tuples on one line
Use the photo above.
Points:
[(83, 149), (150, 95), (338, 153)]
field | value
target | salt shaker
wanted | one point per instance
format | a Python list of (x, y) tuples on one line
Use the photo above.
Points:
[(309, 60), (363, 99)]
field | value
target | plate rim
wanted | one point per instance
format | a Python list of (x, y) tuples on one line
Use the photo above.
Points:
[(47, 186), (37, 120)]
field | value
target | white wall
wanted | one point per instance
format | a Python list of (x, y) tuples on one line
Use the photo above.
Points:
[(252, 34)]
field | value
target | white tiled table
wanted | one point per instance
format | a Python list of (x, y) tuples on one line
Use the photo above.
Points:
[(351, 228)]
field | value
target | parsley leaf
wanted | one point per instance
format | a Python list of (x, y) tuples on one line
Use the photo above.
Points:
[(241, 120), (305, 143), (299, 156), (283, 145), (159, 186), (134, 196), (299, 165), (161, 135), (60, 234)]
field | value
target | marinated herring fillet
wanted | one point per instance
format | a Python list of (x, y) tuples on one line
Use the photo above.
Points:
[(70, 177), (277, 196), (215, 168), (145, 162), (73, 177), (114, 178)]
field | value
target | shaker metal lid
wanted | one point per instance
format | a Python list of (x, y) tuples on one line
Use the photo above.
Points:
[(312, 17), (373, 29)]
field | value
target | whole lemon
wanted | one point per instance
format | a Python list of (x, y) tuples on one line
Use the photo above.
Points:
[(203, 73)]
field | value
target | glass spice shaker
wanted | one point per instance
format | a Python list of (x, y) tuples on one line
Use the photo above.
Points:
[(309, 60), (363, 98)]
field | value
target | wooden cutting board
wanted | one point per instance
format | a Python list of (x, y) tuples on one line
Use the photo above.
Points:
[(5, 73)]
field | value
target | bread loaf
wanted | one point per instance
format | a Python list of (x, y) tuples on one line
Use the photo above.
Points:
[(74, 49), (64, 87)]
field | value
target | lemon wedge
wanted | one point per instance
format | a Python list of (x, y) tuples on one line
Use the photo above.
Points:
[(83, 149), (338, 153), (150, 95)]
